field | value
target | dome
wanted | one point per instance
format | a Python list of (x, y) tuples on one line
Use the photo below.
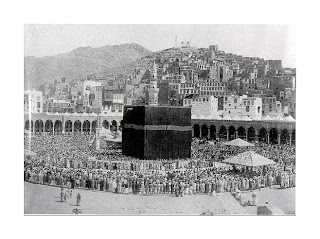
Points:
[(289, 118), (217, 117), (278, 118), (246, 118), (236, 118), (267, 118), (227, 117)]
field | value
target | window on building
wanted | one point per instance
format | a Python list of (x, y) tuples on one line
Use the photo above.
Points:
[(247, 108)]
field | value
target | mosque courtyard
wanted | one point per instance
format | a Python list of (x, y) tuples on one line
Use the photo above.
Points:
[(43, 199)]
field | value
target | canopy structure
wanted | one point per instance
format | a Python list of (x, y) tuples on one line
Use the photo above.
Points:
[(239, 143), (108, 135), (249, 158), (29, 153)]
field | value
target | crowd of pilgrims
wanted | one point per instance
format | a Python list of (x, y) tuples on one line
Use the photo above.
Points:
[(68, 161)]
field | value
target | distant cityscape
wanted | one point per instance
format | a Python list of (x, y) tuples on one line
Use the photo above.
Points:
[(210, 81)]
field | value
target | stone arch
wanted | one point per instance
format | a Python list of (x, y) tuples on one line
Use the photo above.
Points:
[(38, 126), (28, 125), (204, 131), (86, 126), (77, 126), (263, 135), (114, 125), (196, 131), (251, 134), (58, 127), (232, 132), (223, 132), (293, 139), (48, 127), (284, 136), (93, 126), (213, 132), (68, 126), (105, 124), (273, 136), (241, 133)]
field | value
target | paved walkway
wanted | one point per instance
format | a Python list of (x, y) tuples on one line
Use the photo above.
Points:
[(43, 199), (231, 204)]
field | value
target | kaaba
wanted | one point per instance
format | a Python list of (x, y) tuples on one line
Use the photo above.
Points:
[(156, 132)]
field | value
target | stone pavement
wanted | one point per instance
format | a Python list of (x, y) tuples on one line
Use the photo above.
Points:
[(43, 199), (231, 204)]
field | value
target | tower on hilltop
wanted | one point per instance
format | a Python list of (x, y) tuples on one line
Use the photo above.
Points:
[(176, 42), (185, 44)]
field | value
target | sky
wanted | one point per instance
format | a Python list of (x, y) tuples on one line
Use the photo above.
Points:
[(276, 42)]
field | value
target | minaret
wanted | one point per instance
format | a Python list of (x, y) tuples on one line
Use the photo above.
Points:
[(152, 93), (293, 83), (154, 70)]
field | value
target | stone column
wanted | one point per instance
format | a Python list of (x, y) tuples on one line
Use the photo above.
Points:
[(256, 137), (63, 126), (227, 134), (247, 132), (217, 133), (72, 127), (268, 137), (236, 133), (89, 127), (33, 126), (279, 138), (209, 133), (192, 132), (200, 133), (290, 138), (100, 122)]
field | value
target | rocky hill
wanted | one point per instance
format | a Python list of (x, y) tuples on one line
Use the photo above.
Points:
[(117, 59)]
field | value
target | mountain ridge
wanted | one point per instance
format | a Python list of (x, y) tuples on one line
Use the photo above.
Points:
[(80, 62)]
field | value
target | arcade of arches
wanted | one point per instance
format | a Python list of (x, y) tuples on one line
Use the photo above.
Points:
[(49, 126), (277, 133), (273, 135)]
